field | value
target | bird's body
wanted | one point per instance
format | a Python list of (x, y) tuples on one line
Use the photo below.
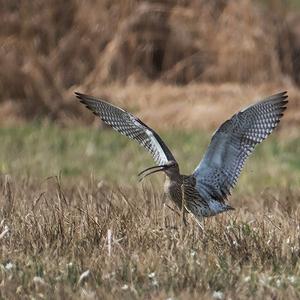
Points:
[(182, 191), (203, 193)]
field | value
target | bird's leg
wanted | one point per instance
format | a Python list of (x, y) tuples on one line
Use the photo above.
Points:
[(164, 200), (164, 211), (183, 210), (172, 209)]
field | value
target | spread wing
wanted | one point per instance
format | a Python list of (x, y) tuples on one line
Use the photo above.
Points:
[(129, 125), (233, 142)]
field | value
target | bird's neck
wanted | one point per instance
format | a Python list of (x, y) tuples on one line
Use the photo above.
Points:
[(174, 175)]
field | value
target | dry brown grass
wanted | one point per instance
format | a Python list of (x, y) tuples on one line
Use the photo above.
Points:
[(92, 241)]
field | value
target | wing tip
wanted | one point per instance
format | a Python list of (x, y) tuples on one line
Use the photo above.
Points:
[(81, 97), (85, 102), (283, 96), (78, 95), (283, 93), (280, 100)]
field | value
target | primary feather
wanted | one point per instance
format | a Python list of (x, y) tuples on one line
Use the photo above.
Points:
[(129, 125)]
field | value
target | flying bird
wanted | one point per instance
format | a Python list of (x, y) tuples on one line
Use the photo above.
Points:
[(205, 192)]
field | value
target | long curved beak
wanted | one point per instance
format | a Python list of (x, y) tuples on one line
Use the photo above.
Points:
[(154, 169)]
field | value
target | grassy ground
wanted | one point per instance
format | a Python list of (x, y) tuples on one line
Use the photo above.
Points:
[(75, 223)]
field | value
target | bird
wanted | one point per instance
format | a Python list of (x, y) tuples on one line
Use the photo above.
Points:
[(205, 192)]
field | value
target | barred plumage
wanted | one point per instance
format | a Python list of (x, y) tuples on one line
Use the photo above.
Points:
[(205, 191), (233, 142)]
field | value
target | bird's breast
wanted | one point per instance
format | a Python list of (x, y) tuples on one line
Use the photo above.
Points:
[(173, 190)]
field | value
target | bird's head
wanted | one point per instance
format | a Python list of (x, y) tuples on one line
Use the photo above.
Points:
[(171, 167)]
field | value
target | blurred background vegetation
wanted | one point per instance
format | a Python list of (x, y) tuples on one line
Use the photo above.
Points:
[(189, 57)]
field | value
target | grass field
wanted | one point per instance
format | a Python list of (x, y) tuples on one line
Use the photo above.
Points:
[(75, 223)]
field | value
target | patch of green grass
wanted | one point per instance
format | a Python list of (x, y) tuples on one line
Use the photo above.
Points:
[(43, 151)]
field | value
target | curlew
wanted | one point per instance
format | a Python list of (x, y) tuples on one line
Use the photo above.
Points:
[(206, 191)]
